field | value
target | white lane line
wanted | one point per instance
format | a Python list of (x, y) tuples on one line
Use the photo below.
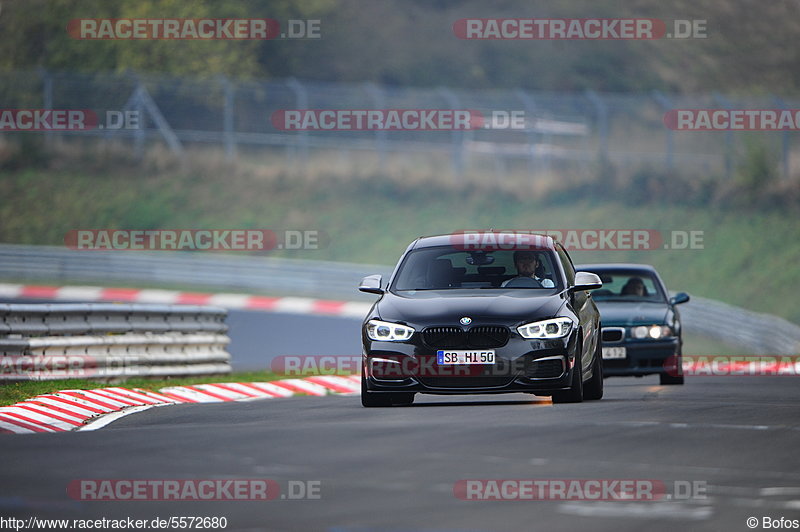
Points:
[(102, 421), (723, 426), (644, 510)]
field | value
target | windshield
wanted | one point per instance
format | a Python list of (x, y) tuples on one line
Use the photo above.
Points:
[(445, 268), (628, 285)]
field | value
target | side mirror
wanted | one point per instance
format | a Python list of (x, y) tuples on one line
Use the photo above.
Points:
[(371, 284), (586, 281), (680, 297)]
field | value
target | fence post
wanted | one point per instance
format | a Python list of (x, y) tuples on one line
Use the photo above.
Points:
[(664, 102), (729, 142), (784, 142), (379, 101), (457, 150), (602, 123), (301, 101), (47, 99), (227, 119), (535, 163)]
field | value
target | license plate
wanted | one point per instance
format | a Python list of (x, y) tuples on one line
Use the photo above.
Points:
[(612, 353), (445, 357)]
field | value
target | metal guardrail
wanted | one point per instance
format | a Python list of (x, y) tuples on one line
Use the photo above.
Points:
[(755, 332), (758, 333), (104, 341), (217, 271)]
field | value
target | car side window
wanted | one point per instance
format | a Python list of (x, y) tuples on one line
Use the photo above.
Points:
[(569, 269)]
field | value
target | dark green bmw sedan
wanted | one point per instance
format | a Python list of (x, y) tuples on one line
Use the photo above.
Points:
[(641, 327)]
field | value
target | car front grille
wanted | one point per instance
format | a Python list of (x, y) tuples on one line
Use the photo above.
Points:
[(613, 334), (481, 336), (487, 336), (444, 336)]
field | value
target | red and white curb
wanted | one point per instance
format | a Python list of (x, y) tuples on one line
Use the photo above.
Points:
[(293, 305), (73, 410)]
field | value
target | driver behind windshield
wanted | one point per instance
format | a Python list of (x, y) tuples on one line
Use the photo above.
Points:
[(527, 264), (634, 287)]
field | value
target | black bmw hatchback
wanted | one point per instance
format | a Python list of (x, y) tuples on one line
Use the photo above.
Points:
[(482, 313)]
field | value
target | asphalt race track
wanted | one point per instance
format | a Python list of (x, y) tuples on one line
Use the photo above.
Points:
[(394, 469), (735, 438), (258, 337)]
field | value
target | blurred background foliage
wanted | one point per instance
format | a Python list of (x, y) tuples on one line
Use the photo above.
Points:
[(749, 49)]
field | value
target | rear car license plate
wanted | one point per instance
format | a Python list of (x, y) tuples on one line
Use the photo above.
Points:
[(445, 357), (614, 353)]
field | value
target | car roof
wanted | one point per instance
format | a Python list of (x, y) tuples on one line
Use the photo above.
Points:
[(543, 242), (616, 266)]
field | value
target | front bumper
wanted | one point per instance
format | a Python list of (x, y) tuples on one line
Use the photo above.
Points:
[(531, 366), (644, 357)]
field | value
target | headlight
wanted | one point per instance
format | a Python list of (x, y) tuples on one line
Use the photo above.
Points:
[(654, 332), (555, 328), (388, 332)]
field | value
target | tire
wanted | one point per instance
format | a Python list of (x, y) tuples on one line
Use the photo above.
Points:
[(593, 389), (575, 392), (377, 400), (665, 379)]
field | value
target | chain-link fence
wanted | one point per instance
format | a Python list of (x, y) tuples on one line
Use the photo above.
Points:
[(561, 133)]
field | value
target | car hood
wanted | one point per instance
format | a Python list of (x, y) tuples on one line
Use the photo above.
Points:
[(444, 308), (627, 313)]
